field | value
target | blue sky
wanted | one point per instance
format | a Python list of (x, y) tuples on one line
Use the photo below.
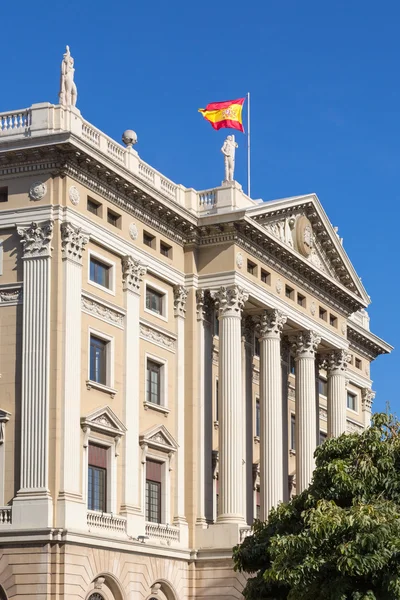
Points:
[(325, 91)]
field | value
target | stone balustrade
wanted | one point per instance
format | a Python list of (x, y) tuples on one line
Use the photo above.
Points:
[(207, 199), (5, 515), (168, 533), (15, 121), (106, 521)]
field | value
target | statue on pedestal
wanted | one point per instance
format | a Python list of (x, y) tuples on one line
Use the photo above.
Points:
[(68, 91), (228, 150)]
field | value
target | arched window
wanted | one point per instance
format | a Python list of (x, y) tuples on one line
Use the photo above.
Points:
[(96, 596)]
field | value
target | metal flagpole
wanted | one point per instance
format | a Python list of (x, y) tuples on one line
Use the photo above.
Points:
[(248, 143)]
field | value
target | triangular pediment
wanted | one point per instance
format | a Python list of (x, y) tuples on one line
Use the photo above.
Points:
[(159, 437), (104, 420), (301, 225)]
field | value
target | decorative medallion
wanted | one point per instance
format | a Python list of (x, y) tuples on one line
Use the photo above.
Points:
[(344, 328), (304, 236), (37, 190), (239, 260), (313, 308), (133, 231), (74, 195), (279, 286)]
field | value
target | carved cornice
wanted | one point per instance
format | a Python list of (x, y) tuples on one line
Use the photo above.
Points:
[(73, 242), (230, 301), (305, 344), (364, 343), (102, 311), (180, 296), (336, 362), (271, 324), (35, 239), (132, 274), (367, 399)]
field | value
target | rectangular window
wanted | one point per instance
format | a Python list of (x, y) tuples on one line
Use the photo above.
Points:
[(332, 320), (351, 401), (94, 207), (153, 382), (100, 272), (251, 268), (153, 491), (113, 218), (257, 348), (322, 437), (258, 505), (216, 400), (293, 432), (97, 478), (154, 300), (358, 363), (149, 240), (98, 360), (3, 194), (258, 418), (265, 277), (289, 292), (301, 300), (165, 250), (292, 365), (322, 387), (322, 313)]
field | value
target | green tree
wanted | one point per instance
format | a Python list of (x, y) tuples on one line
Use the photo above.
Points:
[(340, 538)]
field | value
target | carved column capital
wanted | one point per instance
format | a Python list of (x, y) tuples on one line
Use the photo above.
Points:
[(230, 301), (204, 305), (180, 296), (336, 362), (271, 323), (367, 399), (132, 274), (305, 344), (36, 238), (73, 242)]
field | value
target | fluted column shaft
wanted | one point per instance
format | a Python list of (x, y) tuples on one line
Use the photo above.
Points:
[(230, 303), (271, 443), (305, 346), (336, 368)]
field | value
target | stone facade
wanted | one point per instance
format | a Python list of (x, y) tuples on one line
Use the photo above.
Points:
[(154, 343)]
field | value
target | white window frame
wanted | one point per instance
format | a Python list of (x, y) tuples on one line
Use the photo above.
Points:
[(164, 315), (111, 477), (292, 451), (325, 381), (355, 412), (107, 262), (165, 485), (110, 353), (216, 405), (257, 435), (163, 406)]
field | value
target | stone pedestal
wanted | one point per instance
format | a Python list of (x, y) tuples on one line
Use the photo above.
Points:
[(337, 368)]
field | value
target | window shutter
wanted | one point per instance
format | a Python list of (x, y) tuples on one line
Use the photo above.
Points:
[(153, 470), (97, 456)]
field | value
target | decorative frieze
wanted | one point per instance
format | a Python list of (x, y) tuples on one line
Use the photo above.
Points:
[(271, 324), (35, 239), (133, 272), (230, 301), (160, 338), (73, 242), (10, 295), (353, 427), (323, 413), (102, 311), (180, 296)]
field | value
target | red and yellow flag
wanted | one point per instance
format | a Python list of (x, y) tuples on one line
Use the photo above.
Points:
[(224, 114)]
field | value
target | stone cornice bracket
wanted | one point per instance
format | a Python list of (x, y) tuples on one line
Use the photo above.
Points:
[(36, 239), (367, 399), (230, 301), (204, 304), (271, 324), (336, 362), (132, 274), (180, 296), (305, 344), (73, 242)]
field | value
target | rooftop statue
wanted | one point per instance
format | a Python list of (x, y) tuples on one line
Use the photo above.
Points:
[(228, 150), (68, 91)]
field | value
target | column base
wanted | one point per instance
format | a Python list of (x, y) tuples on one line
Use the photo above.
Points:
[(71, 512), (135, 521), (32, 509), (220, 535), (182, 523)]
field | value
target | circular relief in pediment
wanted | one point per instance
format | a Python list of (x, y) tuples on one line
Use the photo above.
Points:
[(304, 236)]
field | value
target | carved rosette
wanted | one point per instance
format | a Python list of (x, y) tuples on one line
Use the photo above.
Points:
[(37, 190), (132, 274), (305, 345), (230, 301), (271, 324), (180, 296), (73, 242), (367, 399), (336, 362), (36, 239)]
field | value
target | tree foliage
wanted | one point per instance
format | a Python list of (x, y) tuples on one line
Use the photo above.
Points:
[(340, 538)]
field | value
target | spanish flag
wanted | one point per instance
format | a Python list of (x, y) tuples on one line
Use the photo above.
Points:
[(224, 114)]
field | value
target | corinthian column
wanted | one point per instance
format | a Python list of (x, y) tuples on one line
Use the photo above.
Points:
[(271, 443), (71, 509), (337, 368), (33, 505), (367, 399), (305, 347), (132, 273), (230, 303)]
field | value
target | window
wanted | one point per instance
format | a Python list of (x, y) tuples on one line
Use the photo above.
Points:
[(98, 360), (149, 240), (351, 401), (322, 387), (289, 292), (332, 320), (322, 437), (216, 400), (153, 491), (258, 505), (322, 313), (251, 268), (153, 382), (165, 250), (3, 194), (100, 272), (358, 363), (94, 207), (257, 348), (97, 478), (265, 277), (154, 300), (292, 365), (258, 417), (301, 300), (293, 433), (113, 218)]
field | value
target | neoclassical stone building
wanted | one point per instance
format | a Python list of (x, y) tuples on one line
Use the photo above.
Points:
[(170, 359)]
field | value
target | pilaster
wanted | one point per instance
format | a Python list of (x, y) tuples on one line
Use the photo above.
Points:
[(336, 365), (367, 399), (33, 505)]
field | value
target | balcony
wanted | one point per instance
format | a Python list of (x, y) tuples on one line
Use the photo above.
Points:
[(5, 516), (105, 522), (165, 533)]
